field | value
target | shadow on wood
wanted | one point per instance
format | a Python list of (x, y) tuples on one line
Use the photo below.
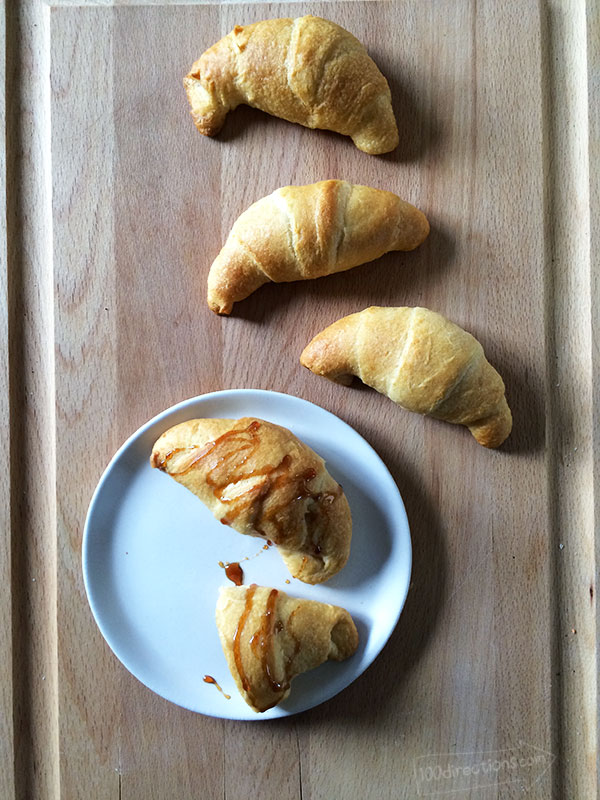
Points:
[(381, 686), (524, 393), (419, 130), (394, 280)]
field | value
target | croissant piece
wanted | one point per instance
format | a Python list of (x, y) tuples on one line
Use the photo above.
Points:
[(419, 360), (263, 481), (269, 638), (302, 232), (306, 70)]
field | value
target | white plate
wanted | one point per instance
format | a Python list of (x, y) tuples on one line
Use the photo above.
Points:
[(151, 551)]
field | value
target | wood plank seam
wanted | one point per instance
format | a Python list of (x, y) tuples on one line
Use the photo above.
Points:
[(163, 3), (569, 420), (31, 398), (7, 753), (593, 71)]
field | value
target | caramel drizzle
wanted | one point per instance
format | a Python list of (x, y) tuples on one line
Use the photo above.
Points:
[(212, 681), (261, 644), (237, 640), (262, 638), (246, 442), (235, 573), (266, 632), (209, 447), (290, 660)]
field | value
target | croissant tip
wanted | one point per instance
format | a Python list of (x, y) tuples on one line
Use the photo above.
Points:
[(157, 461), (378, 143), (376, 149), (223, 310), (204, 126), (207, 112), (493, 435), (426, 228)]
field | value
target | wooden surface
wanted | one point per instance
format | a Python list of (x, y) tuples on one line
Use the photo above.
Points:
[(116, 206)]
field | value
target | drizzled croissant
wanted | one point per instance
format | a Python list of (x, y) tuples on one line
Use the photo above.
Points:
[(421, 361), (306, 70), (269, 638), (302, 232), (263, 481)]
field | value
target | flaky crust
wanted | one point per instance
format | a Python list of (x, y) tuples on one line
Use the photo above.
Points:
[(421, 361), (303, 232), (263, 481), (306, 70), (269, 638)]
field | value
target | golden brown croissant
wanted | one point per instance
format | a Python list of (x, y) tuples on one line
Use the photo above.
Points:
[(421, 361), (306, 70), (269, 638), (302, 232), (263, 481)]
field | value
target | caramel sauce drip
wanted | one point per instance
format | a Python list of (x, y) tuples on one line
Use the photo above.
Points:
[(290, 660), (261, 642), (237, 639), (262, 647), (235, 573), (232, 450), (210, 447), (211, 680)]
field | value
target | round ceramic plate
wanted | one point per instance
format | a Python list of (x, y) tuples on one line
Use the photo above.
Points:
[(151, 553)]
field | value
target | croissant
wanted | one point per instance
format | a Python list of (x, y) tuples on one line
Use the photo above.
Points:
[(269, 638), (302, 232), (421, 361), (306, 70), (262, 481)]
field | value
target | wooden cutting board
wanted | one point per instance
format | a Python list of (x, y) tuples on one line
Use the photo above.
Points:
[(116, 207)]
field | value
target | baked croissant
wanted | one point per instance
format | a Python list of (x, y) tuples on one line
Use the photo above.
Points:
[(306, 70), (421, 361), (302, 232), (262, 481), (269, 638)]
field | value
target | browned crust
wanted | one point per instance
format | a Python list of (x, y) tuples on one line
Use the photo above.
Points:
[(269, 638), (304, 232), (306, 70), (419, 359), (263, 481)]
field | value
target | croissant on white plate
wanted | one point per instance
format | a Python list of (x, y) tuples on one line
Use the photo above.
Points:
[(306, 70), (269, 638), (303, 232), (263, 481), (421, 361)]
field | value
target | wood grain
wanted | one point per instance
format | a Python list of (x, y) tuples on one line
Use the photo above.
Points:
[(116, 207), (572, 419), (33, 768), (7, 755)]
